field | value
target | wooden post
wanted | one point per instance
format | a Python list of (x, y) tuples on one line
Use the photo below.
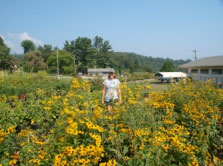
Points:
[(58, 72)]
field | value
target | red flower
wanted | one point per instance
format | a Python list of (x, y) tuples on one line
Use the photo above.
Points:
[(22, 97), (15, 156)]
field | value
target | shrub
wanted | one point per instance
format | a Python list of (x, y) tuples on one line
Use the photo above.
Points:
[(33, 62), (139, 76), (21, 83)]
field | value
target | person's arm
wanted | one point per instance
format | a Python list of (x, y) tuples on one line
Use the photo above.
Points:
[(119, 94), (103, 95)]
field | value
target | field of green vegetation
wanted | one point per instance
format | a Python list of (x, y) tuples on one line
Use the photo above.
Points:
[(44, 121)]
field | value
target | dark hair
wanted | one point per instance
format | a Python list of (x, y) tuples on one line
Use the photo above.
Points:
[(110, 74)]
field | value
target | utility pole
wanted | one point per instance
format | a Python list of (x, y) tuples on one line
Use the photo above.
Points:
[(58, 77), (74, 64), (195, 54)]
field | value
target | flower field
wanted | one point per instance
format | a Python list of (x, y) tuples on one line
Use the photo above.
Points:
[(46, 125)]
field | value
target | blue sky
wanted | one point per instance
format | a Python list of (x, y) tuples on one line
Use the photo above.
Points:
[(158, 28)]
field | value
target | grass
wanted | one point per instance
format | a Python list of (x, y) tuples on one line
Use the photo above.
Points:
[(156, 85)]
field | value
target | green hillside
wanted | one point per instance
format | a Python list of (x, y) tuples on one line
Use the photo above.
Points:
[(136, 62)]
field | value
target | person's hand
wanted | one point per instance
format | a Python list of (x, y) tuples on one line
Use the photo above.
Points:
[(102, 102)]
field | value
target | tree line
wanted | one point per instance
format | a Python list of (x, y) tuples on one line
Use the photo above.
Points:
[(137, 63), (80, 54)]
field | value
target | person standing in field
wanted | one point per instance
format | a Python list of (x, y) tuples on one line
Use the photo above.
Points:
[(111, 92)]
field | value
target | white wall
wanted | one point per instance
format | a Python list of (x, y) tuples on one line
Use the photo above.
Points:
[(218, 78)]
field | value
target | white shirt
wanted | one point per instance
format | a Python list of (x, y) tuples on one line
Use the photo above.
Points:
[(111, 88)]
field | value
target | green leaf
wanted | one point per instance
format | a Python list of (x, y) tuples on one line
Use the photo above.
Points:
[(125, 150)]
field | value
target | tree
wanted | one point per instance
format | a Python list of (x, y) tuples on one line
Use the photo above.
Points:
[(149, 69), (45, 50), (65, 62), (5, 59), (104, 51), (1, 41), (4, 50), (88, 54), (85, 53), (33, 62), (27, 45), (130, 65), (168, 66), (98, 43), (70, 46)]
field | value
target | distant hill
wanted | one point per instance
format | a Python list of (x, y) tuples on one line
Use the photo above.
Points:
[(136, 62)]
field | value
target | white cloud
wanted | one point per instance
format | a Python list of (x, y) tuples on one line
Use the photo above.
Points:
[(2, 37), (13, 41), (24, 36), (15, 48)]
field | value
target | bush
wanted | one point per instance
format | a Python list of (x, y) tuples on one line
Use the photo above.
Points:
[(33, 62), (52, 69), (68, 69), (22, 83), (139, 76), (96, 84)]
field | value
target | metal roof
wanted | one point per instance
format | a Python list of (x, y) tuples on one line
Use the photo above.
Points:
[(205, 62), (171, 74), (98, 70)]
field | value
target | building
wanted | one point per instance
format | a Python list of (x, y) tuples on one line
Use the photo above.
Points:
[(170, 76), (103, 72), (205, 69)]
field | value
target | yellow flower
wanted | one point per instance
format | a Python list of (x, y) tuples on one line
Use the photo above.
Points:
[(47, 108), (12, 162), (148, 87), (39, 91)]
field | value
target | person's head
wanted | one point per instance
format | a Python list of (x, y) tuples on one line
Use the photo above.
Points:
[(111, 75)]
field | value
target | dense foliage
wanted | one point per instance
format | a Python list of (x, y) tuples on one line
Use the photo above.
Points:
[(28, 45), (6, 61), (180, 126), (33, 62), (65, 62), (45, 50), (168, 66)]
